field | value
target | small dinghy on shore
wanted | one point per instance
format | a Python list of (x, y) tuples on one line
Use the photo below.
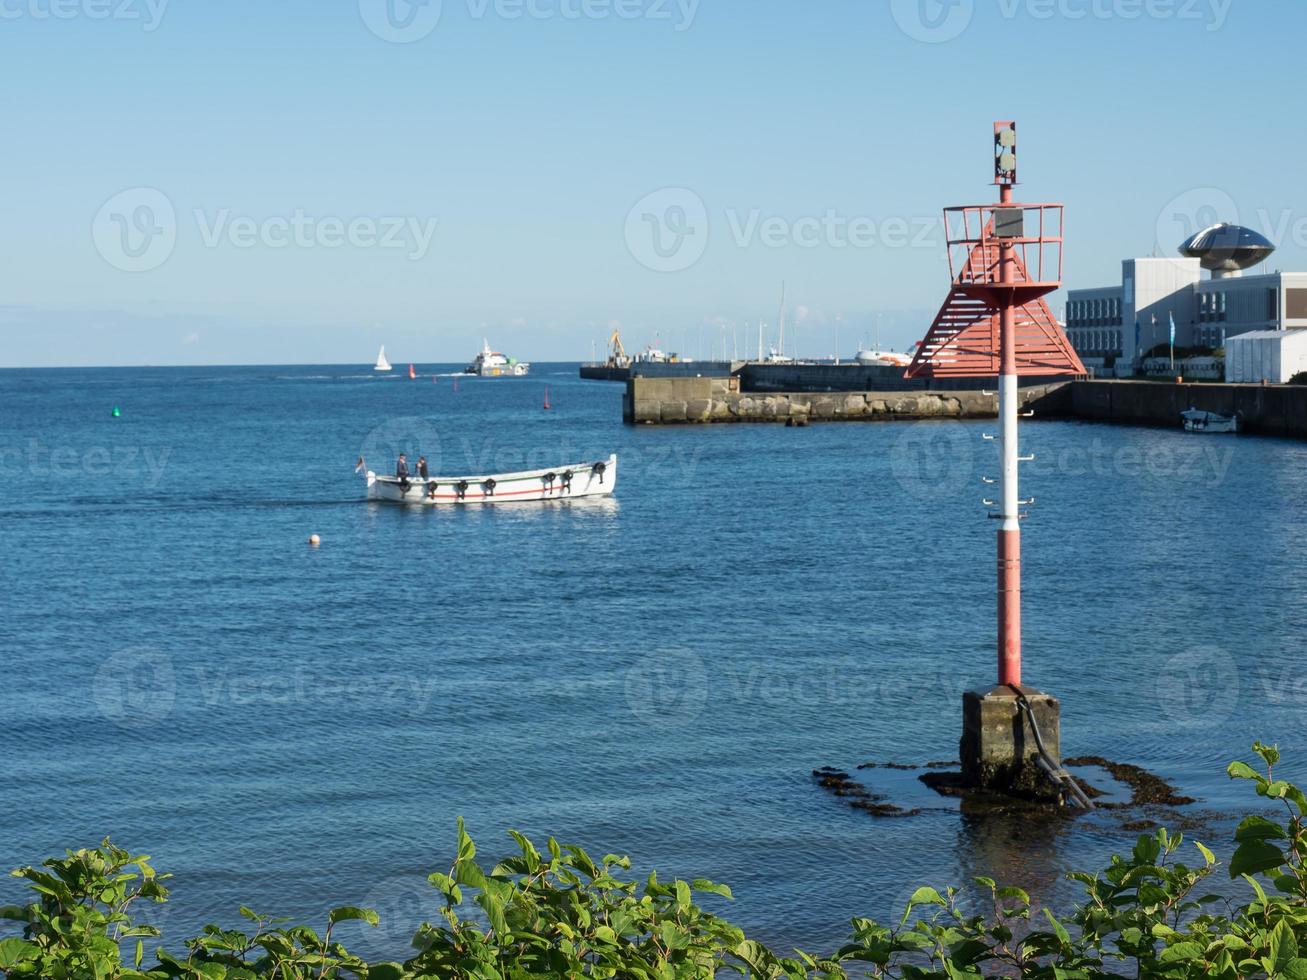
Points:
[(1196, 420), (560, 483)]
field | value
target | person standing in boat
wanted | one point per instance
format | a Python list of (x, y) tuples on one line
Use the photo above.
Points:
[(401, 467), (422, 469)]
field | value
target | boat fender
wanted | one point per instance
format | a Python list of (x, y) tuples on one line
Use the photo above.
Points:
[(565, 484), (405, 487), (598, 470), (431, 489), (489, 487), (461, 487), (548, 480)]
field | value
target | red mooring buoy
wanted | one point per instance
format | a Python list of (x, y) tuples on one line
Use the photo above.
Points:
[(547, 405)]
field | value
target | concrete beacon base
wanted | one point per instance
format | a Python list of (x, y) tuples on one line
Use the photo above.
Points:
[(998, 747)]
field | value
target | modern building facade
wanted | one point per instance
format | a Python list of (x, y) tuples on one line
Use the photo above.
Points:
[(1114, 327)]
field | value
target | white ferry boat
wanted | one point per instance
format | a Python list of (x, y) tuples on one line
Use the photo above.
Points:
[(492, 364)]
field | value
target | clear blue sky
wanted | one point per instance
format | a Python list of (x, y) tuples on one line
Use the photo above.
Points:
[(528, 133)]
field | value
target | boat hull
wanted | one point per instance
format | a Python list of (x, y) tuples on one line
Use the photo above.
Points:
[(562, 483), (1209, 422)]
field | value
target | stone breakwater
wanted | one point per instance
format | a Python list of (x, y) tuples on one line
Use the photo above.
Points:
[(681, 401)]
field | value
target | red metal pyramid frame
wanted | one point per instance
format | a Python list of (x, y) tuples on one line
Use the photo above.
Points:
[(964, 339)]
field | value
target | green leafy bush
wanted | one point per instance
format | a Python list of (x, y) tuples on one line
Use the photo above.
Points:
[(562, 914)]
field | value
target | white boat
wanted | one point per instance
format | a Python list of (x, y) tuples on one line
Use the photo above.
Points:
[(882, 358), (382, 363), (1196, 420), (492, 364), (560, 483)]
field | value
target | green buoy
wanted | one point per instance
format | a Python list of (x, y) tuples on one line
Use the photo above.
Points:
[(117, 412)]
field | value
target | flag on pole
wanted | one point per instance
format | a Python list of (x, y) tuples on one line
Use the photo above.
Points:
[(1172, 316)]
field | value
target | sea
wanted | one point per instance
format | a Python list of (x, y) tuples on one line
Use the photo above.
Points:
[(656, 674)]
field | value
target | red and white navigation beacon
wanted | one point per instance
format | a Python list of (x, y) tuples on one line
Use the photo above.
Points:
[(1004, 258)]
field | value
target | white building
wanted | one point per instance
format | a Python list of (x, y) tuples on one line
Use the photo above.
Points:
[(1273, 356), (1114, 327)]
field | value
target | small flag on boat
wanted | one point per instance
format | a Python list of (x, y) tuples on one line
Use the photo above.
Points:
[(361, 466)]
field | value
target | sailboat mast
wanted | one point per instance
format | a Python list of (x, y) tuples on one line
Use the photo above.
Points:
[(780, 343)]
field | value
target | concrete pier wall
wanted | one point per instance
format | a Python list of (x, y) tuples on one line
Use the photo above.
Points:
[(676, 401), (1270, 410)]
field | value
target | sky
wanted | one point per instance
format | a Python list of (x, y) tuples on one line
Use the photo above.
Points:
[(300, 181)]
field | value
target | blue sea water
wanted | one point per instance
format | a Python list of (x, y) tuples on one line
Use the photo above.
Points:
[(657, 674)]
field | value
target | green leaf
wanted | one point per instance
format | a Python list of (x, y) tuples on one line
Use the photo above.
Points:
[(466, 848), (922, 896), (1241, 770), (1063, 936), (1284, 947), (351, 913), (1259, 828), (16, 951), (1208, 856), (712, 888), (1255, 856)]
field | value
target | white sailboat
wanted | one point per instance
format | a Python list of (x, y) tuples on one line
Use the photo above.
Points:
[(382, 363)]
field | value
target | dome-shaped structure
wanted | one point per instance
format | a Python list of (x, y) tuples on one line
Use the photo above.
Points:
[(1227, 249)]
